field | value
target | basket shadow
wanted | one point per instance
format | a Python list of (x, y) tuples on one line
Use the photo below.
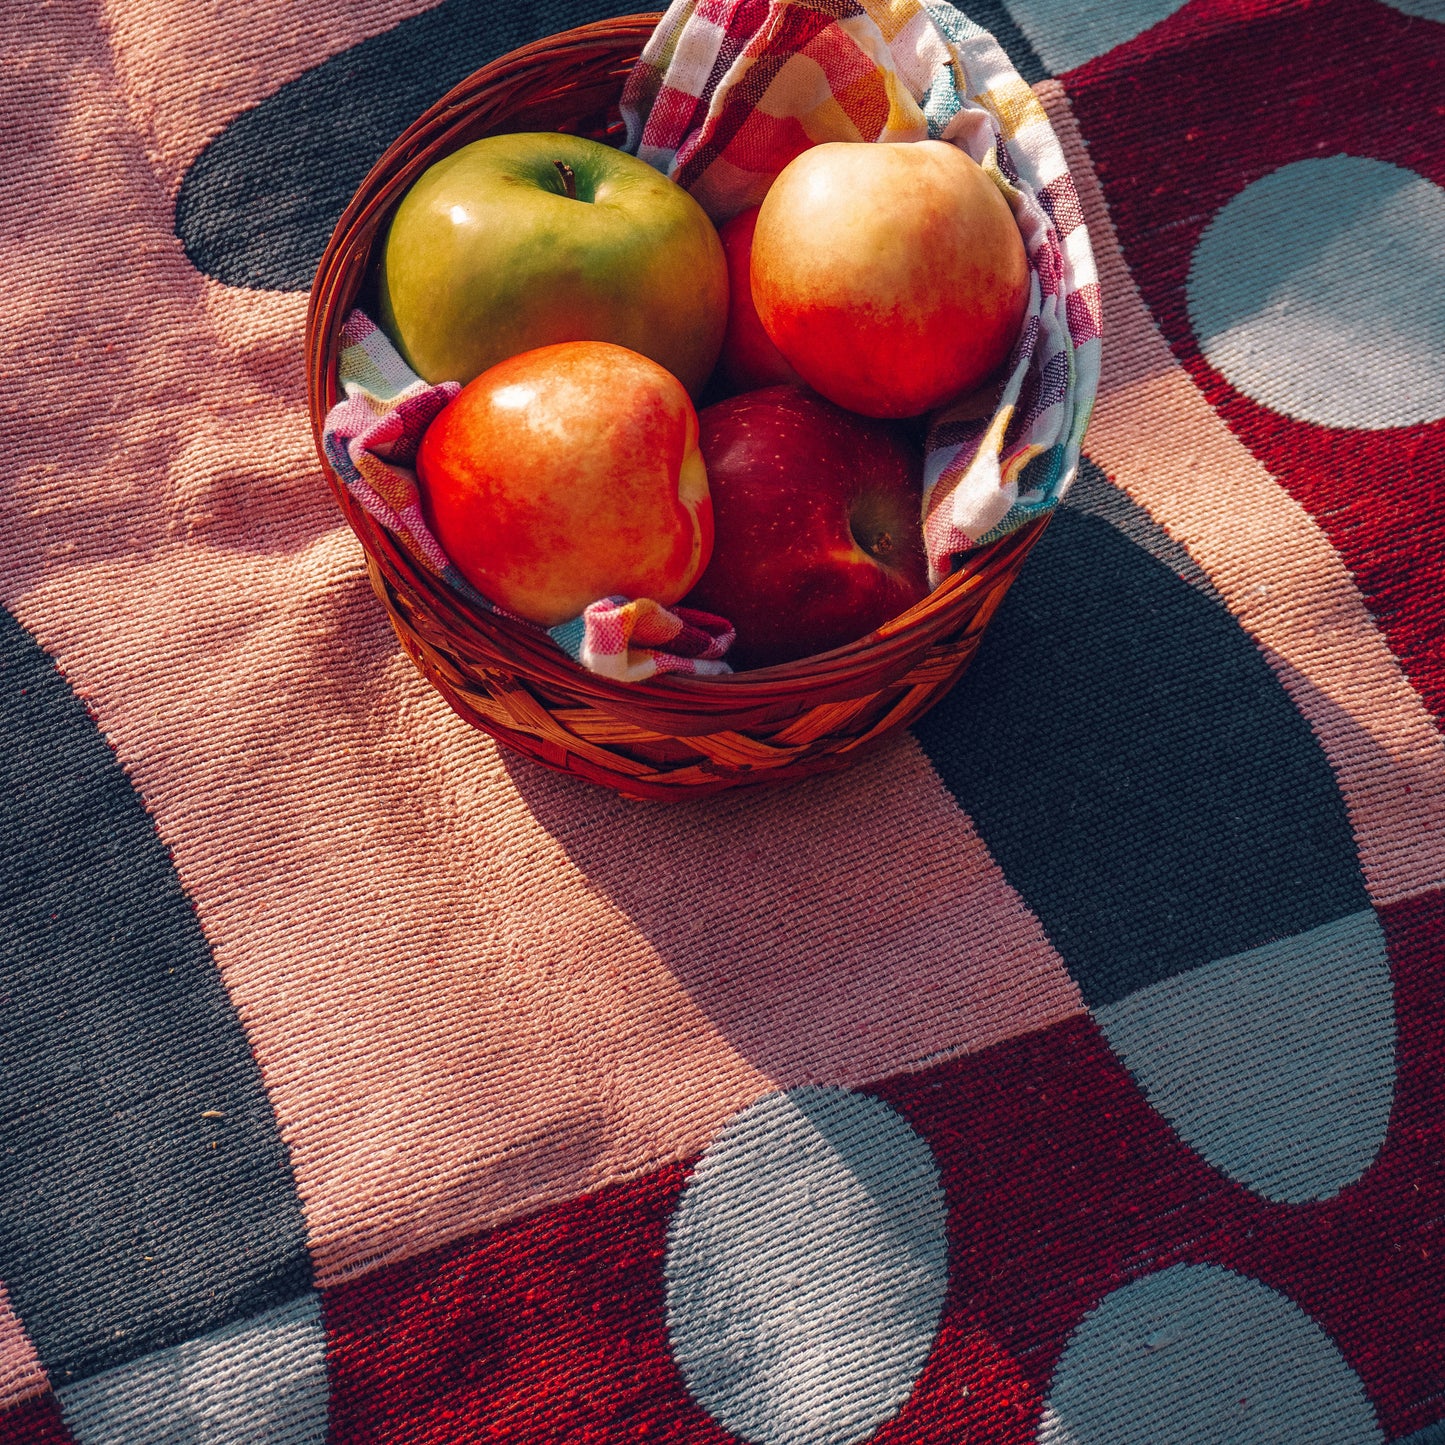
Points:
[(817, 926)]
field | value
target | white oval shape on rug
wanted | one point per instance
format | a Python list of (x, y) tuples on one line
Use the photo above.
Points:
[(1066, 34), (1422, 9), (1278, 1064), (1319, 292), (806, 1267), (258, 1379), (1199, 1355)]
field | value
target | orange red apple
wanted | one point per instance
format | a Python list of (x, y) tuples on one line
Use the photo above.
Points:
[(566, 474), (819, 538), (892, 277)]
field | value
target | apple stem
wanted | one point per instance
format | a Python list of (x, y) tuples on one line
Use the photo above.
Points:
[(569, 178)]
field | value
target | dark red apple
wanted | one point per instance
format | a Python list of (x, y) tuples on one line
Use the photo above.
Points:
[(816, 513)]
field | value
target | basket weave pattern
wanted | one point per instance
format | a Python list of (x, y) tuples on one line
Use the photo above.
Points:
[(670, 737)]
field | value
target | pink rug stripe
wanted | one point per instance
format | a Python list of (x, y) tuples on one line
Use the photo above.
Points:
[(22, 1376), (162, 48)]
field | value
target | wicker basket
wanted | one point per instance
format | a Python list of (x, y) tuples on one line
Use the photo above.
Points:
[(671, 737)]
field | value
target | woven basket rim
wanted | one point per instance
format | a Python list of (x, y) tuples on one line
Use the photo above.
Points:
[(853, 670)]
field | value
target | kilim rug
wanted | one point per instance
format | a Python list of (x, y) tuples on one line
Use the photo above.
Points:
[(1070, 1071)]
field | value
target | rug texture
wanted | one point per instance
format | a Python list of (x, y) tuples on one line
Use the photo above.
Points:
[(1072, 1072)]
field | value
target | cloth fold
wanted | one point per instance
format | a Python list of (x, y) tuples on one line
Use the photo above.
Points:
[(371, 439)]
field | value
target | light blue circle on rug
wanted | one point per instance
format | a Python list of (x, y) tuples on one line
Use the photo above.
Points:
[(1066, 33), (1199, 1355), (807, 1263), (1422, 9), (1277, 1064), (1319, 292), (262, 1378)]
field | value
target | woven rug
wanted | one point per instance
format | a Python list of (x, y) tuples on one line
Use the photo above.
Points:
[(1070, 1071)]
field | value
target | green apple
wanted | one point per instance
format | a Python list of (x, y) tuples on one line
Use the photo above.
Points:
[(521, 241)]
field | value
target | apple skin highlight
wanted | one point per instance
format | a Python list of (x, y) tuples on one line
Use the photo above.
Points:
[(817, 515), (567, 474), (892, 277)]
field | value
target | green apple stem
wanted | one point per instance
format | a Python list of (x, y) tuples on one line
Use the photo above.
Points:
[(569, 178)]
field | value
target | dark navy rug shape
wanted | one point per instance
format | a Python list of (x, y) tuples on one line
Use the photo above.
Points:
[(1131, 761), (129, 1220), (259, 203)]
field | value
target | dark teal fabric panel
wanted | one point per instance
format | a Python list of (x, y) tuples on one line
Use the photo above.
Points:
[(128, 1220), (1134, 764), (258, 204)]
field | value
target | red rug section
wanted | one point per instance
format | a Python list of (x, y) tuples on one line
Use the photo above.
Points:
[(547, 1330), (1202, 105), (36, 1422), (1063, 1184)]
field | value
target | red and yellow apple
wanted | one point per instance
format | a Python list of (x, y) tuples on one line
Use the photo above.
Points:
[(891, 276), (569, 473), (749, 359), (817, 514), (519, 241)]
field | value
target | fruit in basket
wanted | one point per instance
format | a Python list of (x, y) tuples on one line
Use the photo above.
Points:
[(749, 359), (566, 474), (891, 276), (817, 515), (521, 241)]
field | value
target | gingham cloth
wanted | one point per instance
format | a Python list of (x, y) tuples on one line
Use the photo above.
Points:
[(727, 92), (371, 438)]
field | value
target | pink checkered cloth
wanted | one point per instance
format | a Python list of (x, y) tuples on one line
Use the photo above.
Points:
[(371, 439), (727, 92)]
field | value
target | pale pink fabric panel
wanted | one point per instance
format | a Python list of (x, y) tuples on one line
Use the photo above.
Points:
[(472, 987), (1159, 439), (837, 931), (21, 1373), (186, 69), (138, 379)]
